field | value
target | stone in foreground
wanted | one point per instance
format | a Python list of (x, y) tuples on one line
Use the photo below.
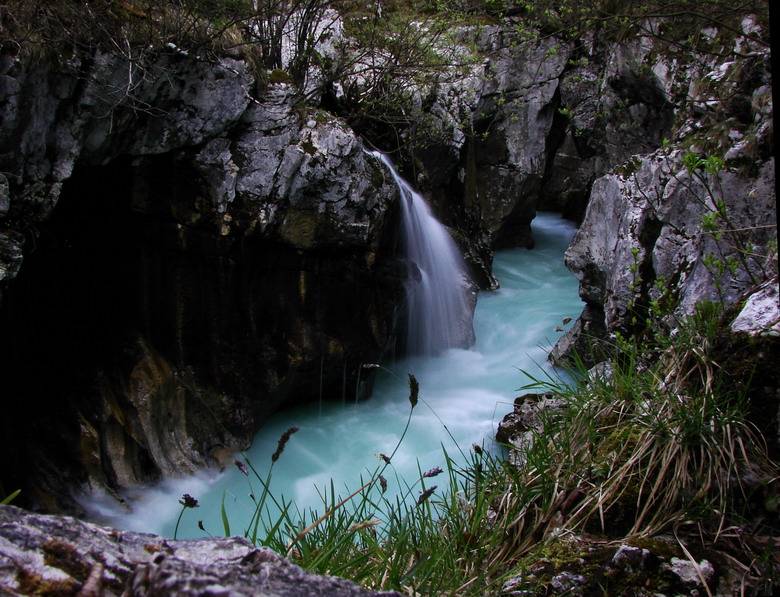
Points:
[(58, 555)]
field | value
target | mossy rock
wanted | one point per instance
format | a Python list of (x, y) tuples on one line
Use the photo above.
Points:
[(279, 76)]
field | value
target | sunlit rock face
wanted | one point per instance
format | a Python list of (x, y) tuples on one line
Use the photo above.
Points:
[(178, 259)]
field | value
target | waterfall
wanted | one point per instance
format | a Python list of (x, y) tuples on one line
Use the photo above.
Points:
[(468, 391), (439, 312)]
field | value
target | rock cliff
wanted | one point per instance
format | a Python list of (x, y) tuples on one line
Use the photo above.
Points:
[(670, 229), (535, 120), (178, 259)]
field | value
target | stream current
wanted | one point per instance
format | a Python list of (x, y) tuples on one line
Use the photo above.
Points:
[(463, 396)]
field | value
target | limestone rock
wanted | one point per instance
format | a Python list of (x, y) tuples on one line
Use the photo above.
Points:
[(320, 169), (691, 573), (194, 258), (760, 314), (643, 240), (512, 123), (100, 106), (520, 427), (61, 555), (612, 106), (10, 254)]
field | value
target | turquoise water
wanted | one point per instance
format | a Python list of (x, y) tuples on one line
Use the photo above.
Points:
[(468, 391)]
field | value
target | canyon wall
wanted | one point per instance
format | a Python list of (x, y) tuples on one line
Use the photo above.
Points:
[(184, 250), (179, 258), (670, 229)]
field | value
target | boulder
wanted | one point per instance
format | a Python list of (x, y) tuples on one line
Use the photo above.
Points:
[(58, 555)]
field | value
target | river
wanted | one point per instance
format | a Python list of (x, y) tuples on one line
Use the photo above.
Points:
[(463, 396)]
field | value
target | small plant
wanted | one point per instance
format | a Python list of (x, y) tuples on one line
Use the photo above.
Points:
[(187, 502), (9, 498)]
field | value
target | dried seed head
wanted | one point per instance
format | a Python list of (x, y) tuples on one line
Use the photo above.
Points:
[(188, 501), (383, 483), (385, 458), (282, 442), (200, 525), (426, 494), (242, 467), (364, 524), (477, 448), (432, 473), (414, 387)]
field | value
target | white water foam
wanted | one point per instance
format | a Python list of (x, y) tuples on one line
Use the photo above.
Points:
[(468, 391), (438, 311)]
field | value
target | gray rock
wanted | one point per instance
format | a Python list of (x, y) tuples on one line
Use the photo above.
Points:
[(691, 573), (512, 122), (61, 555), (4, 196), (519, 428), (646, 226), (761, 313), (108, 106), (630, 559), (238, 224), (317, 170), (567, 583), (10, 254)]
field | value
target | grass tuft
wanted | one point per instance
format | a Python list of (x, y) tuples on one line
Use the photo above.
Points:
[(655, 443)]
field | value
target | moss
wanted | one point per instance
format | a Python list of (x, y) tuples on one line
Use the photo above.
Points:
[(279, 76), (628, 168), (309, 147), (65, 557), (658, 546), (30, 583), (592, 559)]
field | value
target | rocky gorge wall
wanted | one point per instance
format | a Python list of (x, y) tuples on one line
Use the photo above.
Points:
[(182, 251), (669, 229), (178, 260)]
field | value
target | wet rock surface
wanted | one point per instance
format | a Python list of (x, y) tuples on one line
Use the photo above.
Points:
[(520, 428)]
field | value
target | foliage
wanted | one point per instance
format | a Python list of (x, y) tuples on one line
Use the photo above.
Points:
[(392, 63), (656, 443), (678, 22), (9, 498), (392, 53)]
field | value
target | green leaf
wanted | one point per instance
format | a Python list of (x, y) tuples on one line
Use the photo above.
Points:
[(225, 522), (10, 498)]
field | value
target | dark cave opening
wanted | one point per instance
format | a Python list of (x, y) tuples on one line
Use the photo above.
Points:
[(67, 315)]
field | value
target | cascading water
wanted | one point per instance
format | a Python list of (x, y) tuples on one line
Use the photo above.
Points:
[(438, 311), (463, 395)]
